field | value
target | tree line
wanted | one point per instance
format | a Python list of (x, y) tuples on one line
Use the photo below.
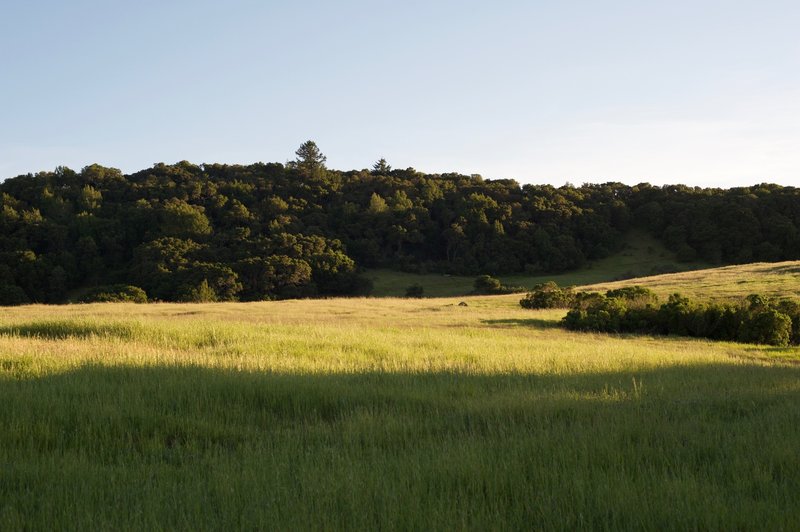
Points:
[(185, 232)]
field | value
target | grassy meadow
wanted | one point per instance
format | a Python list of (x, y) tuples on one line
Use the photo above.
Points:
[(776, 279), (385, 414)]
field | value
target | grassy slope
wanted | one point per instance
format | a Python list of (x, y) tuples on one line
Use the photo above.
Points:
[(779, 279), (642, 255), (370, 413)]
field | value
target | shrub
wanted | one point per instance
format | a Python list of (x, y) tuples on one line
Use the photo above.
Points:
[(757, 320), (358, 285), (488, 285), (117, 293), (723, 322), (792, 310), (634, 295), (600, 314), (11, 294), (640, 319), (511, 289), (767, 327), (548, 295), (415, 290), (584, 299), (674, 315), (202, 293)]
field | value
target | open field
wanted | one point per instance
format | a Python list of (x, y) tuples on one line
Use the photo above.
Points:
[(777, 279), (642, 255), (385, 413)]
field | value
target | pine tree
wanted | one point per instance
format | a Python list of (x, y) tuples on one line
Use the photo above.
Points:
[(381, 167), (309, 158)]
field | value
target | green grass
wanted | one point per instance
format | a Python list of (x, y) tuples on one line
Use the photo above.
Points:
[(385, 414), (776, 279), (642, 255)]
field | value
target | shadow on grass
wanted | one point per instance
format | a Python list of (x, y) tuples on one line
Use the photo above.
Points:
[(188, 391), (775, 349), (783, 354), (789, 268), (62, 330), (191, 447), (526, 322)]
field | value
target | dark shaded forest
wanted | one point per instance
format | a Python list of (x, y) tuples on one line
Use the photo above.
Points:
[(187, 232)]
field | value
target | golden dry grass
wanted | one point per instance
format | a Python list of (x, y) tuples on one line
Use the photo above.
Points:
[(778, 279)]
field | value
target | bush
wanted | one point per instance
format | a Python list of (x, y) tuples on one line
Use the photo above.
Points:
[(488, 285), (723, 322), (11, 294), (634, 295), (415, 290), (548, 295), (641, 320), (767, 327), (354, 284), (584, 299), (511, 289), (117, 293), (757, 320), (675, 315), (792, 310), (202, 293), (600, 314)]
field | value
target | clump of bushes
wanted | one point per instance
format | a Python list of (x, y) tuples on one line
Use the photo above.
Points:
[(488, 285), (11, 295), (202, 293), (415, 290), (117, 293), (756, 319), (548, 295), (624, 310), (636, 296)]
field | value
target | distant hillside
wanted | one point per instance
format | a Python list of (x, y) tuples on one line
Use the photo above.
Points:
[(187, 232), (641, 254), (781, 279)]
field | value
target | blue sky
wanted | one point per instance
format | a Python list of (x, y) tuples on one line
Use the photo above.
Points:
[(697, 92)]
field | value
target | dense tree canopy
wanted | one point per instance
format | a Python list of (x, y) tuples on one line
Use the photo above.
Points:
[(185, 231)]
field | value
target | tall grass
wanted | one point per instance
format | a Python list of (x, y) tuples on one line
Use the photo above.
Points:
[(385, 414), (777, 279)]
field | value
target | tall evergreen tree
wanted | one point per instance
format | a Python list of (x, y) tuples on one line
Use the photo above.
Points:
[(309, 157), (381, 167)]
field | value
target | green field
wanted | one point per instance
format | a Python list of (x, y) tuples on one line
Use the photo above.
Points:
[(390, 414), (777, 279), (641, 255)]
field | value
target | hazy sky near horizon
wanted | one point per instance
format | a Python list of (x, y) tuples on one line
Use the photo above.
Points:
[(699, 92)]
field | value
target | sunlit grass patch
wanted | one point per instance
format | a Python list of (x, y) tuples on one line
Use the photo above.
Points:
[(780, 279), (370, 413)]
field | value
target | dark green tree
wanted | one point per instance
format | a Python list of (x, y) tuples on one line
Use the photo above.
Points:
[(381, 167), (309, 157)]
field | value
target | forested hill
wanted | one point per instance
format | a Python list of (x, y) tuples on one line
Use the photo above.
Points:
[(189, 232)]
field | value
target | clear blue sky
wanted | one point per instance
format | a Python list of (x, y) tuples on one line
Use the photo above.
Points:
[(697, 92)]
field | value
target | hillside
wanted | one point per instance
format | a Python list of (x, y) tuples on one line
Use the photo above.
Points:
[(781, 279), (641, 254), (216, 232)]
